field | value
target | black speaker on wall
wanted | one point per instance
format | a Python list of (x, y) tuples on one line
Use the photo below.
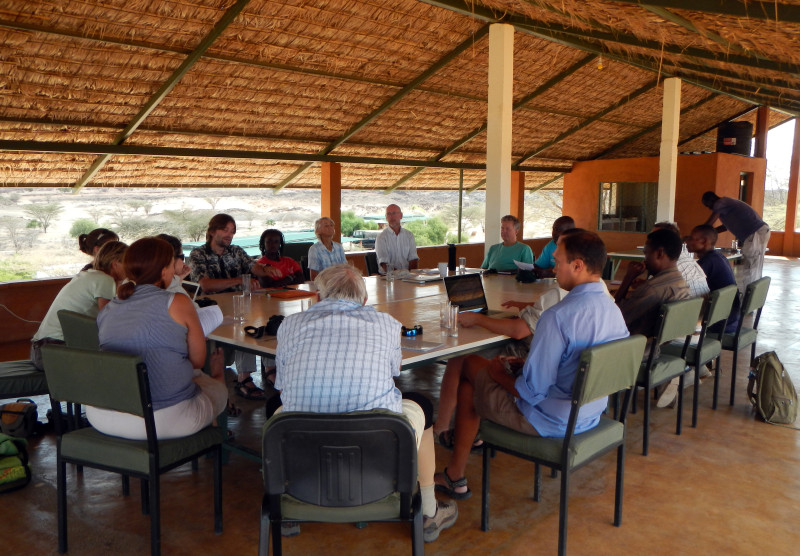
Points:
[(735, 138)]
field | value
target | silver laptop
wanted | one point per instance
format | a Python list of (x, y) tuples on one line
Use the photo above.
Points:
[(466, 291)]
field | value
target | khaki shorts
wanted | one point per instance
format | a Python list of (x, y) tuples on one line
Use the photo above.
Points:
[(497, 404)]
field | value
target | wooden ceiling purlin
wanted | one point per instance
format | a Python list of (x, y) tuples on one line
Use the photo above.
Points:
[(550, 83), (397, 97), (770, 11), (223, 23)]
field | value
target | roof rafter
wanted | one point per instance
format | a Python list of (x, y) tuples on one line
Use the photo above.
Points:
[(480, 129), (181, 152), (397, 97), (771, 11), (223, 23)]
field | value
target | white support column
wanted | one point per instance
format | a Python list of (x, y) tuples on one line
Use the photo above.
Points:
[(498, 132), (668, 162)]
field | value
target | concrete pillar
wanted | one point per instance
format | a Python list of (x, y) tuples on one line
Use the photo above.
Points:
[(331, 198), (791, 200), (668, 161), (762, 126), (518, 199), (498, 132)]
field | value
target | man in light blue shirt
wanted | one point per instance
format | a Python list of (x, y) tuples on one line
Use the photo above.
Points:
[(544, 262), (538, 401)]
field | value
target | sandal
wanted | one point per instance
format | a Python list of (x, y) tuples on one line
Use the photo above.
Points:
[(447, 440), (248, 390), (448, 486), (268, 375)]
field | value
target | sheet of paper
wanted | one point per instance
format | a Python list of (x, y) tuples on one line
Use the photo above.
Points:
[(210, 318), (523, 266)]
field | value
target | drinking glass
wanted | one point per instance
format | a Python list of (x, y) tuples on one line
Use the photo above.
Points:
[(453, 330), (443, 270), (444, 315), (247, 285), (462, 265), (239, 308), (389, 273)]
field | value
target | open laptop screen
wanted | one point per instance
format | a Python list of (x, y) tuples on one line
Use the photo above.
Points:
[(466, 291)]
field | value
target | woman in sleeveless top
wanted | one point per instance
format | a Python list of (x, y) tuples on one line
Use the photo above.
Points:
[(164, 329)]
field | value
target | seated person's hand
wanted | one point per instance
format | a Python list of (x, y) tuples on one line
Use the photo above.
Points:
[(511, 364), (271, 272), (635, 268), (184, 272), (468, 320), (517, 304)]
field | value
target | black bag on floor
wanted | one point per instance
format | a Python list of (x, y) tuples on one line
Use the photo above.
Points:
[(775, 399), (18, 418)]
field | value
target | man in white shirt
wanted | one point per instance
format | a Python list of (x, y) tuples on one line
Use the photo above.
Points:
[(395, 245)]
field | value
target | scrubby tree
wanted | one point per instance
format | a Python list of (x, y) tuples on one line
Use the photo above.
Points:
[(428, 232), (43, 213), (82, 226)]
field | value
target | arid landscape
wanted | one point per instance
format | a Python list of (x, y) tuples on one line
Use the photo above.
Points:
[(29, 250)]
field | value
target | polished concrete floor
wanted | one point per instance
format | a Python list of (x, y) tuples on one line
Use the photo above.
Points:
[(730, 486)]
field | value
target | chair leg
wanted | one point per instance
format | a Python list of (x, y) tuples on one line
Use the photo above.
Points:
[(733, 374), (562, 513), (646, 435), (126, 485), (485, 489), (716, 383), (277, 550), (537, 482), (695, 399), (679, 420), (155, 515), (553, 472), (217, 490), (263, 534), (61, 481), (618, 488), (417, 538)]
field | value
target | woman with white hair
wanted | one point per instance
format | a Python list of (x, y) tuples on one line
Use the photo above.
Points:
[(325, 252)]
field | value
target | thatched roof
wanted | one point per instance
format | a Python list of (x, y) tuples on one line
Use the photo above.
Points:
[(227, 93)]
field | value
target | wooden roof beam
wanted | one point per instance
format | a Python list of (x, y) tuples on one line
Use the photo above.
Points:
[(770, 11), (397, 97), (519, 104), (223, 23)]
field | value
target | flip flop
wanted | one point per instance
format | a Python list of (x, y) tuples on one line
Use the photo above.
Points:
[(448, 486)]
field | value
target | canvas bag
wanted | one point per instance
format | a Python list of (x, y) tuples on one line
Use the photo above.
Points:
[(775, 398), (15, 472), (18, 418)]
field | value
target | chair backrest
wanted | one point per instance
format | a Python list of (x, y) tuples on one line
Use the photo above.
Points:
[(606, 369), (719, 305), (104, 379), (80, 331), (340, 460), (371, 260), (679, 319), (755, 295)]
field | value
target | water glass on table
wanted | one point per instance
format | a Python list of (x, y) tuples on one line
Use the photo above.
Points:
[(453, 330), (247, 285), (444, 316), (443, 270), (240, 307), (462, 265), (389, 273)]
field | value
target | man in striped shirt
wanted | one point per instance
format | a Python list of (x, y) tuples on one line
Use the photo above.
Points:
[(342, 356)]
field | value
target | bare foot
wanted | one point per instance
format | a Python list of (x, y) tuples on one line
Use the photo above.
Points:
[(216, 363)]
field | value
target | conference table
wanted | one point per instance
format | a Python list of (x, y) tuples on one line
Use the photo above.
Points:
[(410, 303)]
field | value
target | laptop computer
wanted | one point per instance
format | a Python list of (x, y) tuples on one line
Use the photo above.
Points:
[(466, 291), (192, 289)]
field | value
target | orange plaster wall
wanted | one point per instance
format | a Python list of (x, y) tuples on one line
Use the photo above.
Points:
[(718, 172)]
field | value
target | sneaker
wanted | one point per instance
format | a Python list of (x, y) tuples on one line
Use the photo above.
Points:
[(290, 529), (705, 371), (446, 515), (667, 397)]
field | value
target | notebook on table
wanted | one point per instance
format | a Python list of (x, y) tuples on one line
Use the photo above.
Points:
[(466, 291)]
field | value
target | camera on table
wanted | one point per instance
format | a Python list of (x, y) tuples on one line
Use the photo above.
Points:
[(416, 331)]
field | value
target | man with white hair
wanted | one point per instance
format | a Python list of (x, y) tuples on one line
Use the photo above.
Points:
[(341, 356), (395, 245)]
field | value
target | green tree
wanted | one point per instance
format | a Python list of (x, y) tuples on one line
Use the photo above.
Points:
[(43, 213), (428, 232), (351, 222), (82, 226), (189, 224)]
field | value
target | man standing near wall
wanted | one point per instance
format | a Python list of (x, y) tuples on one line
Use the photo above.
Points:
[(395, 245), (741, 220)]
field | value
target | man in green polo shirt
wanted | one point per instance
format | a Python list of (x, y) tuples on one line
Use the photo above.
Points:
[(501, 257)]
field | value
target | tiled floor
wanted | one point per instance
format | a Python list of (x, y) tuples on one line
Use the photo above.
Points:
[(731, 486)]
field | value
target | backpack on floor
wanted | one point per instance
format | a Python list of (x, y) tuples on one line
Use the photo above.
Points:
[(15, 472), (775, 397)]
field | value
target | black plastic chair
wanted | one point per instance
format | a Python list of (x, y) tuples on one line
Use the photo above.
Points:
[(339, 468), (604, 370), (119, 382), (371, 260), (755, 296)]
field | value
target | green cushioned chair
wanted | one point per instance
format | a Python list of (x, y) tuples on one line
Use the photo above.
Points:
[(708, 347), (677, 319), (604, 369), (119, 382), (755, 296), (21, 378), (340, 468)]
